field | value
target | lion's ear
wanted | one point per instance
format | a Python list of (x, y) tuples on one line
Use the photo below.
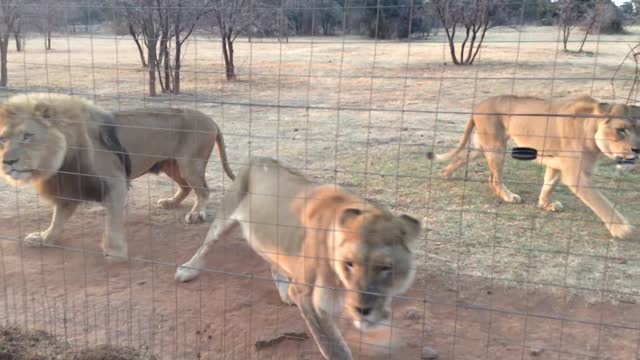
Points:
[(604, 108), (348, 215), (45, 112), (412, 225)]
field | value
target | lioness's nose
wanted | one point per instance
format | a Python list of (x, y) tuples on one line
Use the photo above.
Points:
[(9, 161), (364, 311)]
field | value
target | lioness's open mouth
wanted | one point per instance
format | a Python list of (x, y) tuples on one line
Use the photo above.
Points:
[(16, 174), (626, 161)]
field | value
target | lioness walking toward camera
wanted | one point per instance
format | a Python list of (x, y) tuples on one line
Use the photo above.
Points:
[(328, 249), (570, 136), (72, 151)]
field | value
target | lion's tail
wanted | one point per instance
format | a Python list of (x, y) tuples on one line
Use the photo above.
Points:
[(222, 152), (451, 154)]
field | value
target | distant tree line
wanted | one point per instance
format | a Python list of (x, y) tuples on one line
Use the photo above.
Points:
[(159, 28)]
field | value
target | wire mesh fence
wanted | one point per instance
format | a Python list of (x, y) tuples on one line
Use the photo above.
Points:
[(351, 93)]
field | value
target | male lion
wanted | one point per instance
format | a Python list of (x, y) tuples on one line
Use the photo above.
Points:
[(570, 136), (68, 149), (177, 142), (72, 151), (328, 249)]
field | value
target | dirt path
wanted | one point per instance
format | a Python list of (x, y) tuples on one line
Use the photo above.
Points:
[(77, 295)]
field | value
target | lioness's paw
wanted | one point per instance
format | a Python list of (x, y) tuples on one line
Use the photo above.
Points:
[(429, 353), (515, 198), (621, 231), (35, 240), (553, 206), (184, 274), (195, 217), (283, 291), (167, 204)]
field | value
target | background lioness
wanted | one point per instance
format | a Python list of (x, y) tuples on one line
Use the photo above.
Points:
[(570, 136), (327, 248)]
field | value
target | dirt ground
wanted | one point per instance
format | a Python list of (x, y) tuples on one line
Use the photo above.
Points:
[(76, 295), (495, 281), (18, 344)]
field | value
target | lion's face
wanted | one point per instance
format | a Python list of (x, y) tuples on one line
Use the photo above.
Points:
[(374, 261), (618, 135), (29, 148)]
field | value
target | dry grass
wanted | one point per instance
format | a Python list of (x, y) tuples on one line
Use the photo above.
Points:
[(398, 100)]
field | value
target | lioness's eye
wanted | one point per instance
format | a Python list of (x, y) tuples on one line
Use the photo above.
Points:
[(622, 132), (385, 268), (26, 137), (3, 141), (348, 265)]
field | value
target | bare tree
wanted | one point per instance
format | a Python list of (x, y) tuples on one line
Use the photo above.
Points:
[(142, 15), (475, 17), (9, 16), (590, 22), (230, 18), (568, 16), (185, 17), (17, 35), (156, 25)]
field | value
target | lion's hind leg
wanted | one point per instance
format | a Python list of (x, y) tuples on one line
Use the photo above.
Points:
[(460, 161), (193, 171), (495, 158), (170, 168), (192, 268)]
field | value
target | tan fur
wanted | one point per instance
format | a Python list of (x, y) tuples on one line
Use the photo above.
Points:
[(56, 143), (570, 135), (69, 161), (177, 142), (329, 250)]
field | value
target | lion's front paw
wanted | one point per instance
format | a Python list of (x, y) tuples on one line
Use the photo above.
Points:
[(167, 203), (515, 198), (35, 240), (621, 231), (552, 206), (195, 217), (184, 274)]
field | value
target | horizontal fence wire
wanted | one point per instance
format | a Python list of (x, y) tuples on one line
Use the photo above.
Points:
[(356, 94)]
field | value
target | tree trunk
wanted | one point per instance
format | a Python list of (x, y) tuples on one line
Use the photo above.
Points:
[(227, 52), (16, 36), (152, 64), (177, 64), (135, 39), (584, 39), (48, 40), (452, 45), (166, 60), (566, 31), (4, 47)]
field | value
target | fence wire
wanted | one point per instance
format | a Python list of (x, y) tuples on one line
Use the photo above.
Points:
[(351, 93)]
